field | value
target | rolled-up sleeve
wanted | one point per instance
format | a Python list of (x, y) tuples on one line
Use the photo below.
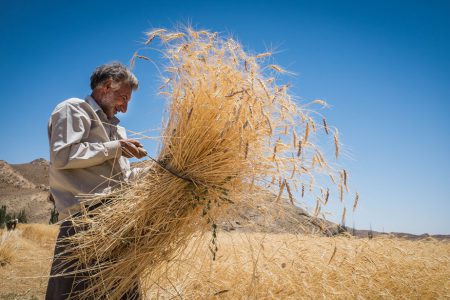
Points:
[(69, 129)]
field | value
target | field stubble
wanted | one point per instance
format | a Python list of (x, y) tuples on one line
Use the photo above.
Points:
[(30, 250), (259, 266), (287, 266)]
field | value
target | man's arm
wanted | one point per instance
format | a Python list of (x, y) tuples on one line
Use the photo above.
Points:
[(69, 125)]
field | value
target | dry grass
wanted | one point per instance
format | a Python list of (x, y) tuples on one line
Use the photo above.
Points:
[(39, 233), (227, 136), (267, 266), (256, 266), (25, 235), (7, 247), (26, 275)]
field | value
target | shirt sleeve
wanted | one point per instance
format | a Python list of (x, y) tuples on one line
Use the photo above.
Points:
[(69, 128)]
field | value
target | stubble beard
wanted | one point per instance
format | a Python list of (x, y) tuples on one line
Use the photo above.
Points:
[(108, 106)]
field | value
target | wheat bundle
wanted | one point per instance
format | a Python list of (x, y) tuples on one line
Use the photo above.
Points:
[(230, 130)]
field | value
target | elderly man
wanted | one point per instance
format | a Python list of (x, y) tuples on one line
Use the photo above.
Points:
[(89, 155)]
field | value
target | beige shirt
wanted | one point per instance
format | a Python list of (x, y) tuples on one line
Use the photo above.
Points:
[(85, 154)]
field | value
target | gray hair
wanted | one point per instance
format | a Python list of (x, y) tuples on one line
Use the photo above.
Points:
[(115, 71)]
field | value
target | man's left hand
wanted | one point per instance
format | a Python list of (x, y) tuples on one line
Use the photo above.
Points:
[(132, 148)]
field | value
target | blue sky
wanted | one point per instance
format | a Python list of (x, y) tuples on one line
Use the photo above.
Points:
[(384, 66)]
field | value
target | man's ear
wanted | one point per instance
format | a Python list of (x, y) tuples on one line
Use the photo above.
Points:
[(107, 85)]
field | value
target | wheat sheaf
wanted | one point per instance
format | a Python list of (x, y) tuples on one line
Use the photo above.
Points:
[(228, 135)]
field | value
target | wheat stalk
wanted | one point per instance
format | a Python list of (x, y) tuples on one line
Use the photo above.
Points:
[(220, 144), (355, 203)]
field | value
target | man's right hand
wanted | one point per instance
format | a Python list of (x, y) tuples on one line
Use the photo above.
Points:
[(132, 148)]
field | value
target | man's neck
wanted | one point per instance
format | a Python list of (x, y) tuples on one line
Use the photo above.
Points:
[(95, 96)]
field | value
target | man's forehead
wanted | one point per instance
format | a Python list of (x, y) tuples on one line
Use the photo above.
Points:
[(125, 88)]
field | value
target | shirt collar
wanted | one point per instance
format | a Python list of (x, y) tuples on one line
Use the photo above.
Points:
[(91, 101)]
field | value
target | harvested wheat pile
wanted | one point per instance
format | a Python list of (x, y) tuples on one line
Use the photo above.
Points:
[(230, 131)]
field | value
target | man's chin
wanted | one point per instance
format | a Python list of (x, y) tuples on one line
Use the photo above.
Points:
[(111, 115)]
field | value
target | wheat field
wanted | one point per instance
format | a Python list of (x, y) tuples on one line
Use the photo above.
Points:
[(232, 134), (258, 266)]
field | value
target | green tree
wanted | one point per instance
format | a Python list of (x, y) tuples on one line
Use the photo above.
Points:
[(370, 233), (22, 217), (2, 216), (9, 217), (54, 215)]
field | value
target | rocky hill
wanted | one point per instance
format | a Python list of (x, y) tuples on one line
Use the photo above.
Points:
[(25, 187), (11, 179), (35, 171)]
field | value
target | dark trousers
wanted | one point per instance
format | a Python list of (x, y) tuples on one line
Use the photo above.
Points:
[(62, 285)]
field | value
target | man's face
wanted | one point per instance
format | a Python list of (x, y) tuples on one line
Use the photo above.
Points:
[(115, 100)]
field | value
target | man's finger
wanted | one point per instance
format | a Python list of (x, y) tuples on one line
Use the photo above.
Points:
[(135, 142), (142, 152), (127, 152)]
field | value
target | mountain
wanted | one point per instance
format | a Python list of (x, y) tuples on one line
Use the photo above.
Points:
[(25, 187), (35, 171), (11, 179)]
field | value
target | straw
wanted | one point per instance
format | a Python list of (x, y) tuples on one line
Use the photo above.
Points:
[(229, 130)]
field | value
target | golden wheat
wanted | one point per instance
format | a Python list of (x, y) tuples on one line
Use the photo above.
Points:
[(226, 131), (286, 266)]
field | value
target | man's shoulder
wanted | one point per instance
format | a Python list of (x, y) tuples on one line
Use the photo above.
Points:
[(71, 101), (76, 103)]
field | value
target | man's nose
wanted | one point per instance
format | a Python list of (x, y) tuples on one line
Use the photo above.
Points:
[(124, 107)]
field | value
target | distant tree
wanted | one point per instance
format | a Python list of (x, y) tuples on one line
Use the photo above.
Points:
[(9, 217), (54, 215), (5, 217), (370, 233), (2, 216), (22, 217)]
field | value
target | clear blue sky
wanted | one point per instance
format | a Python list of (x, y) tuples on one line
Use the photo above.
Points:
[(384, 66)]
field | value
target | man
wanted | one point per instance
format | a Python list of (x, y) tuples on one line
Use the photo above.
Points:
[(89, 155)]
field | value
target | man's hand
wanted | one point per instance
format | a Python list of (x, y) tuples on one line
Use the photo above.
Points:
[(132, 148)]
